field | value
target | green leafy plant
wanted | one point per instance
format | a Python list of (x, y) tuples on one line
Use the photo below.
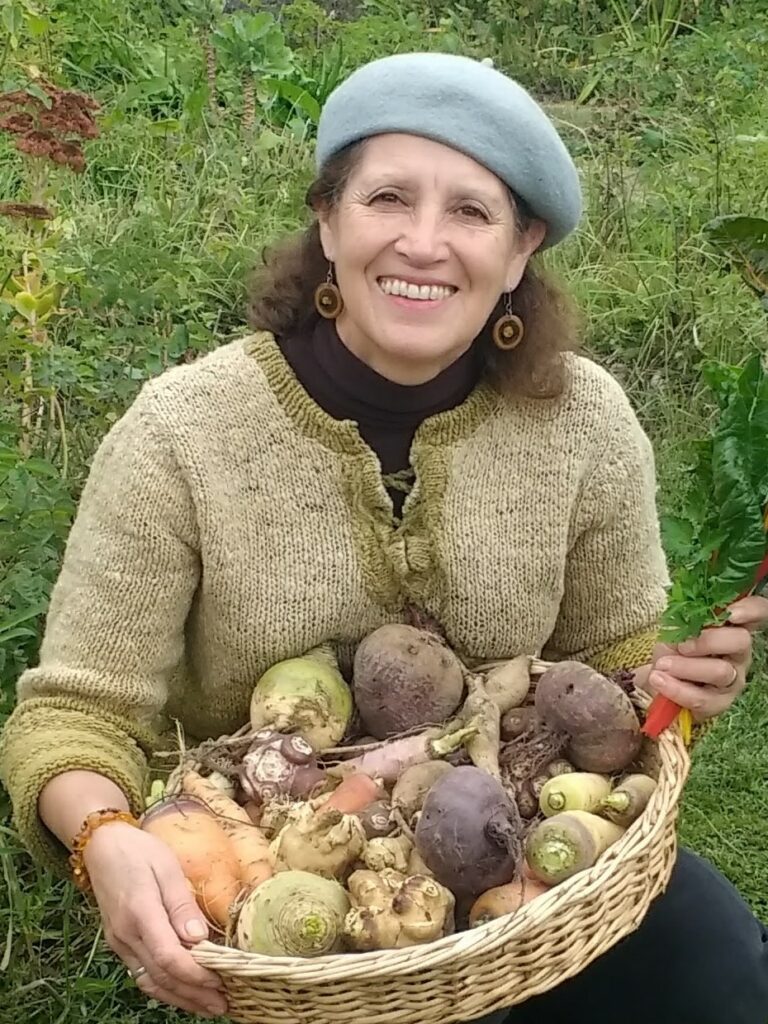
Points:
[(744, 241)]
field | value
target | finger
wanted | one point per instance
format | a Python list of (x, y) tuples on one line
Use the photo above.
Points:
[(750, 612), (194, 1000), (729, 641), (717, 672), (703, 701)]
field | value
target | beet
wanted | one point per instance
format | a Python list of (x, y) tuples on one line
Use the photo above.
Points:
[(595, 712), (469, 833), (405, 678)]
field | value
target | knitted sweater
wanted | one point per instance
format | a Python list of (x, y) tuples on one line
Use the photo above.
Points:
[(228, 523)]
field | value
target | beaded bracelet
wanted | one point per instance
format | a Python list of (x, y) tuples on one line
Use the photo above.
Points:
[(81, 840)]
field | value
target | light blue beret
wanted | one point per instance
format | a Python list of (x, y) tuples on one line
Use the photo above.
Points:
[(470, 106)]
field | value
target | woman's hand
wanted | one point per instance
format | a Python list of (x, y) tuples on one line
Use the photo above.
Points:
[(148, 913), (707, 673)]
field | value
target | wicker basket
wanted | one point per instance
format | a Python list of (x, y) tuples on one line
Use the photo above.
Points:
[(472, 973)]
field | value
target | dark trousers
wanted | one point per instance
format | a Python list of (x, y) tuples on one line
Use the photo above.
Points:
[(699, 957)]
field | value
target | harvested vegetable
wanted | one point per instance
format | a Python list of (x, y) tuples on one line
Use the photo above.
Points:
[(576, 791), (557, 767), (595, 712), (507, 683), (405, 678), (280, 765), (569, 842), (505, 899), (248, 843), (293, 914), (391, 852), (353, 794), (527, 802), (392, 911), (377, 820), (483, 747), (628, 800), (389, 761), (469, 832), (203, 850), (325, 842), (413, 785), (516, 722), (306, 695)]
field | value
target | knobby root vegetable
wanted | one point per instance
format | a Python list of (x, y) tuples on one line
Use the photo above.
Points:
[(306, 695), (505, 899), (392, 911), (296, 913), (325, 842), (595, 712), (413, 785), (278, 764), (391, 852), (483, 747), (577, 791), (628, 800), (377, 819), (516, 722), (527, 803), (507, 683), (389, 761), (469, 832), (353, 794), (557, 767), (249, 844), (567, 843), (405, 678), (203, 850)]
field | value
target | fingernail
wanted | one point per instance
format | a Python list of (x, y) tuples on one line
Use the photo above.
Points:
[(687, 647), (196, 929), (656, 679), (664, 665), (738, 615)]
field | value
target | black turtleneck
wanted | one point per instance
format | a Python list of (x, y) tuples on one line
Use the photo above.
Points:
[(387, 414)]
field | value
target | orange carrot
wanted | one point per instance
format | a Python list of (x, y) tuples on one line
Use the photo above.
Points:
[(214, 799), (354, 794), (504, 899)]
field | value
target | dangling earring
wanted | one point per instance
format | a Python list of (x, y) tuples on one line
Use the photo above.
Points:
[(509, 329), (328, 300)]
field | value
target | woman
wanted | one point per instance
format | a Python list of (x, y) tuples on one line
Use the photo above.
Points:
[(406, 432)]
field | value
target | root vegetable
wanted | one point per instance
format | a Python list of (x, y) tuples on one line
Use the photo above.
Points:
[(293, 914), (413, 785), (628, 800), (405, 678), (483, 747), (377, 820), (507, 683), (278, 764), (595, 712), (389, 761), (353, 794), (391, 911), (527, 803), (306, 695), (469, 832), (505, 899), (391, 852), (325, 842), (203, 850), (517, 722), (557, 767), (567, 843), (576, 791)]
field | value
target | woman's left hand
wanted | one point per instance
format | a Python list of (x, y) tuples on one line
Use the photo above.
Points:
[(707, 673)]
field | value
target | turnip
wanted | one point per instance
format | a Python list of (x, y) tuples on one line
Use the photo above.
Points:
[(576, 791), (469, 832), (306, 695), (413, 785), (628, 800), (601, 723), (569, 842), (405, 678), (278, 765), (293, 914)]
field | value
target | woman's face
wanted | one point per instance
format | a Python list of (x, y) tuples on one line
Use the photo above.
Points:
[(424, 242)]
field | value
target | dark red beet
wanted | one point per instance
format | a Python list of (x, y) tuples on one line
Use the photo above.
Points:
[(469, 832)]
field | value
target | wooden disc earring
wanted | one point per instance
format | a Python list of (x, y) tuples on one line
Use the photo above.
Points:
[(509, 329), (328, 300)]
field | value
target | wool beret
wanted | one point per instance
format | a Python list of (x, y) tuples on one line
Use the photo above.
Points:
[(470, 106)]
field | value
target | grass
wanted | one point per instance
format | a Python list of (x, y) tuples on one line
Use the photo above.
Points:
[(156, 240)]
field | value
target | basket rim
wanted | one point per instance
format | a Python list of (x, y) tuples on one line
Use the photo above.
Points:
[(663, 805)]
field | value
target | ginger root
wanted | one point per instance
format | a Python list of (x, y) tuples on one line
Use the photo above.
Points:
[(325, 843), (388, 852), (391, 911)]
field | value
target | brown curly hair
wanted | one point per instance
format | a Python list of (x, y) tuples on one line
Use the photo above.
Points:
[(281, 297)]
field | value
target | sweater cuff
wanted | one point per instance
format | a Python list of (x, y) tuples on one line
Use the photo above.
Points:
[(46, 740), (629, 653)]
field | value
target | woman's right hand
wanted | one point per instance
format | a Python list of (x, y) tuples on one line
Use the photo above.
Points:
[(149, 913)]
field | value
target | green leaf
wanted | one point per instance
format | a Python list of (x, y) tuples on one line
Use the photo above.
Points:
[(678, 535)]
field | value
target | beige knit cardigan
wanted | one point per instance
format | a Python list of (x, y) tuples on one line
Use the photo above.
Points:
[(228, 523)]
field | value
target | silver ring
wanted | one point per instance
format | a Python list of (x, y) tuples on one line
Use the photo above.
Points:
[(138, 973)]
